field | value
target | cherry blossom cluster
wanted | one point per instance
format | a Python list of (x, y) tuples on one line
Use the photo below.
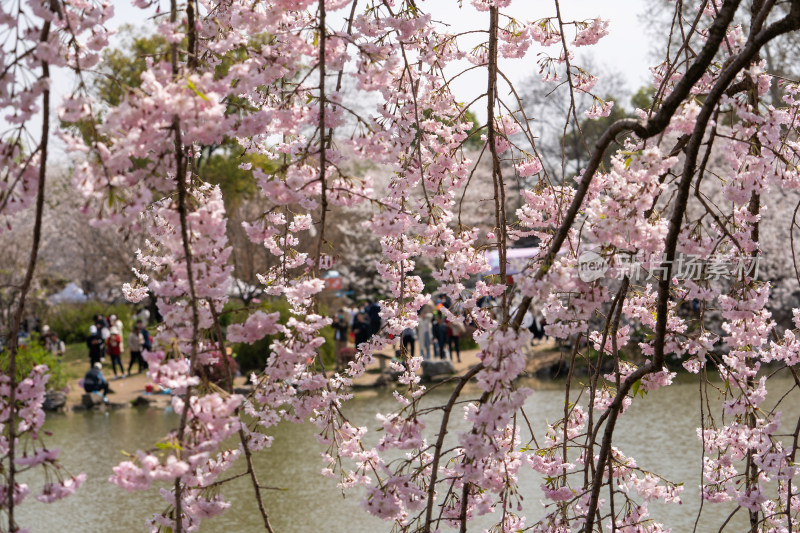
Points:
[(193, 455), (36, 38), (28, 416), (618, 221), (269, 76)]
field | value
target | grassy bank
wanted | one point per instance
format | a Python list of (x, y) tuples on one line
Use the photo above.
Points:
[(75, 361)]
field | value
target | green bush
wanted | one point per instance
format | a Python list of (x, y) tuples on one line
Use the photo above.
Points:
[(253, 357), (328, 350), (71, 322), (466, 342), (32, 354)]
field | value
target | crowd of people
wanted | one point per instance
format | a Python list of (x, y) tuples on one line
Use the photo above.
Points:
[(435, 335), (30, 329), (106, 341)]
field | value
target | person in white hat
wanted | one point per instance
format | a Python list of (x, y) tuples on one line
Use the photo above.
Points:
[(96, 345), (114, 350), (94, 381)]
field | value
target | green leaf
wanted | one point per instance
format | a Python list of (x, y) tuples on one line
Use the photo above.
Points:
[(168, 446), (196, 90), (635, 387)]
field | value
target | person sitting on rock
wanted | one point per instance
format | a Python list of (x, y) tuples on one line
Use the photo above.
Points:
[(94, 381)]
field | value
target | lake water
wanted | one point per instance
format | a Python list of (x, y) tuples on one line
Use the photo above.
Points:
[(658, 430)]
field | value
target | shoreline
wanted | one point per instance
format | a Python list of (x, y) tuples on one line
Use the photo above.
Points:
[(130, 391)]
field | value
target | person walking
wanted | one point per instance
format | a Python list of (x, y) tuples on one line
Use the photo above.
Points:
[(116, 322), (536, 328), (424, 334), (454, 332), (114, 350), (361, 329), (136, 344), (439, 329), (341, 329), (540, 324), (147, 345), (373, 314), (96, 346), (102, 326), (54, 345), (408, 339)]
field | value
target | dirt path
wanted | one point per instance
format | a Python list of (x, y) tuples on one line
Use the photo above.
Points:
[(128, 389), (541, 355), (124, 391)]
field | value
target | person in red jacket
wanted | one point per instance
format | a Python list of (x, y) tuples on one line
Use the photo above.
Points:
[(114, 351)]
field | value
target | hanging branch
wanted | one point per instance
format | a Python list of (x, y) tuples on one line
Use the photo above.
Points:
[(755, 42), (497, 175), (654, 126), (181, 178), (13, 335), (323, 142)]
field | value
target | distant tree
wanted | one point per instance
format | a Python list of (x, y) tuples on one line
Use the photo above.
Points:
[(644, 98), (121, 69), (473, 141), (221, 164), (563, 144), (580, 140)]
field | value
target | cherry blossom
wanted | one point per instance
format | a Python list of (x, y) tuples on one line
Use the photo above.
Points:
[(686, 179)]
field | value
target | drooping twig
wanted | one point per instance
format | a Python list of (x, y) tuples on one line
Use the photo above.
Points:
[(497, 176), (180, 178), (653, 126), (254, 480), (13, 340), (753, 45), (437, 449)]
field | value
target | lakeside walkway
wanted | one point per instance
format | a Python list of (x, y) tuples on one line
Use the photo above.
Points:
[(540, 355), (127, 390)]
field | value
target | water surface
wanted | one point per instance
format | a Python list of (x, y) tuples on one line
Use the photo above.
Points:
[(658, 430)]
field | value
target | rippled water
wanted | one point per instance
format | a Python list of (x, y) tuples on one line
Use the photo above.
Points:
[(658, 430)]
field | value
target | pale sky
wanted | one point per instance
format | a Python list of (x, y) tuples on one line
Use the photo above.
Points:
[(625, 50)]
